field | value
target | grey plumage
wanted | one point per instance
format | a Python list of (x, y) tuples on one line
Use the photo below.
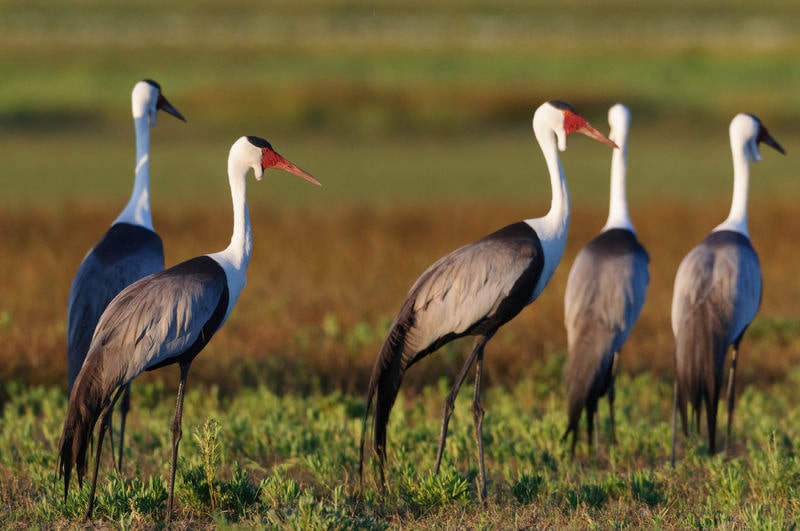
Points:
[(128, 251), (165, 318), (717, 294), (134, 334), (605, 294), (474, 291), (125, 254)]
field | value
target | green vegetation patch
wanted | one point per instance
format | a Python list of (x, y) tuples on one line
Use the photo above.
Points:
[(261, 459)]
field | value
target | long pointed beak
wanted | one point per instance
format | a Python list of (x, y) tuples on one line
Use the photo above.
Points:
[(593, 133), (771, 142), (167, 107), (288, 167)]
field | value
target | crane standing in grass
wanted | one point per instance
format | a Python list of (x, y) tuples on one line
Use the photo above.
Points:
[(717, 294), (475, 290), (605, 294), (128, 251), (165, 318)]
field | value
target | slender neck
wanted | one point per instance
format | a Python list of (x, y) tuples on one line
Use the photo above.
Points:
[(235, 258), (737, 218), (137, 211), (241, 247), (555, 223), (618, 217), (552, 228)]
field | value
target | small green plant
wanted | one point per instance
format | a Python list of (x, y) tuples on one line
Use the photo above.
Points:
[(765, 517), (150, 500), (435, 490), (646, 489), (527, 487), (593, 496), (238, 495), (279, 490), (210, 444), (127, 499)]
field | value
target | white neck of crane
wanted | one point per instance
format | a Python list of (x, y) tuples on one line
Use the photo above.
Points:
[(737, 218), (618, 217), (552, 228), (235, 258), (137, 211)]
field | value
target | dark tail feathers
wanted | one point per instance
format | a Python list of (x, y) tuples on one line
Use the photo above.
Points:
[(85, 405), (576, 399), (699, 356), (586, 374), (384, 384)]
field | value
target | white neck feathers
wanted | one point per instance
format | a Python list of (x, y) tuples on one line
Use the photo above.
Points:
[(552, 228), (618, 217), (743, 132), (137, 211), (235, 258)]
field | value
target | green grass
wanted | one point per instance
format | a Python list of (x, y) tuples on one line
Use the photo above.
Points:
[(260, 459)]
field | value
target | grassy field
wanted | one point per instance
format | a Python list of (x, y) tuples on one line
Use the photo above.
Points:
[(416, 117), (263, 460)]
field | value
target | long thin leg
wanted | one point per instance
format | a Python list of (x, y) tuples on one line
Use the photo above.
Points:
[(105, 421), (574, 442), (103, 427), (675, 421), (177, 433), (124, 407), (449, 403), (477, 414), (590, 426), (711, 421), (731, 393), (111, 436), (611, 398)]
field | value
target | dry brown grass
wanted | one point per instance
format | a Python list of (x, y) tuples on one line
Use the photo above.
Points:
[(352, 268)]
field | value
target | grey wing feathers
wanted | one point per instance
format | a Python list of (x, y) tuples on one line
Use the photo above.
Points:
[(693, 283), (606, 294), (464, 287), (153, 320), (698, 323), (723, 281), (739, 278), (474, 289)]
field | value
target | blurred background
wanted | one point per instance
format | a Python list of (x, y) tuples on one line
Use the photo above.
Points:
[(343, 81), (416, 117)]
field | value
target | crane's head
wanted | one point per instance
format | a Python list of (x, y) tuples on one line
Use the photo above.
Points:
[(255, 152), (562, 120), (747, 132), (147, 100)]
